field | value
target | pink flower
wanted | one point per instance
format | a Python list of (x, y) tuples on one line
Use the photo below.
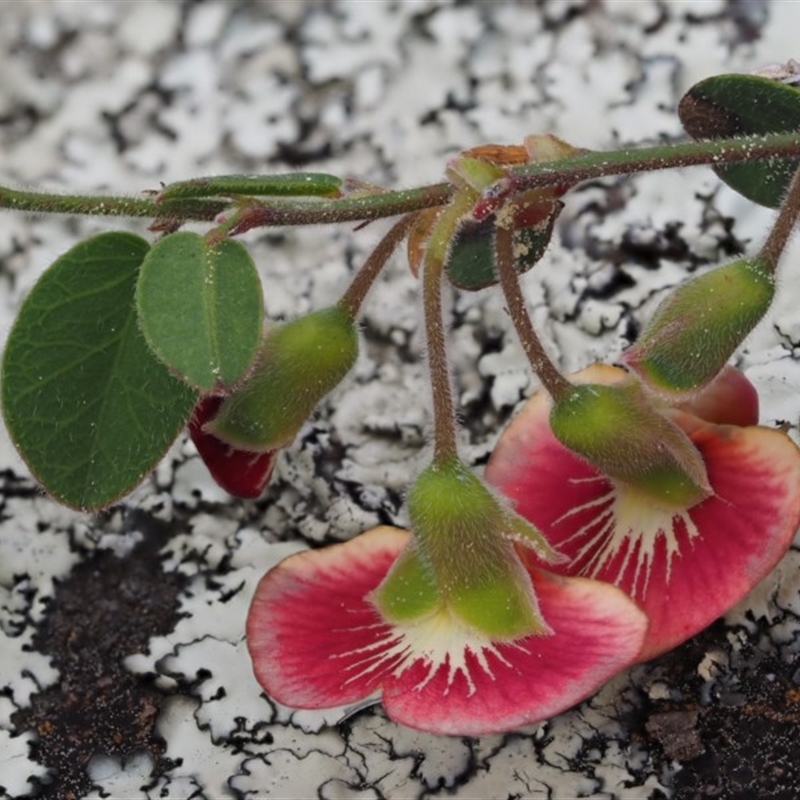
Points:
[(318, 639), (684, 566)]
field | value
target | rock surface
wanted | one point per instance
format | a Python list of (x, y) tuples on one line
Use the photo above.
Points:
[(123, 671)]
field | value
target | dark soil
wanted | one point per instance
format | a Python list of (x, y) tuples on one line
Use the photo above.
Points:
[(107, 609)]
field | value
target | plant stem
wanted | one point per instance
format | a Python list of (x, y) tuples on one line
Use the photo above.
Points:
[(354, 296), (444, 426), (783, 226), (111, 206), (347, 209), (667, 156), (555, 383), (377, 205)]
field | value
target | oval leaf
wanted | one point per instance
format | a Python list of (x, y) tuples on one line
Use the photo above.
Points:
[(736, 105), (201, 308), (86, 403)]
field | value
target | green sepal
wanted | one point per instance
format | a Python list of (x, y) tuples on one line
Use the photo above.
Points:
[(699, 326), (735, 105), (462, 537), (501, 605), (408, 591), (617, 430), (518, 529), (299, 363)]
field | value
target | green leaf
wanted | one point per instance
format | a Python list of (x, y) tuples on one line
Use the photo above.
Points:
[(470, 262), (201, 308), (86, 403), (293, 184), (736, 105)]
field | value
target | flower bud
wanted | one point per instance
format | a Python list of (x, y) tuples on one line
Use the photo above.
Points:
[(616, 429), (699, 326), (300, 362), (238, 472)]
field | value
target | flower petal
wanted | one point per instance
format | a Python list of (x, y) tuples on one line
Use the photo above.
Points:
[(238, 472), (494, 687), (730, 399), (312, 633), (684, 569), (317, 641)]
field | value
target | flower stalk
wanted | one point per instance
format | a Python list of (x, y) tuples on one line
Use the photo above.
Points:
[(555, 383), (356, 293), (444, 427), (783, 226)]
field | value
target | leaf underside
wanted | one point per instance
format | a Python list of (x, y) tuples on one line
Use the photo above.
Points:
[(738, 105), (471, 261)]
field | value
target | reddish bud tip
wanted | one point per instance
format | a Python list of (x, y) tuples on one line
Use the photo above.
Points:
[(238, 472)]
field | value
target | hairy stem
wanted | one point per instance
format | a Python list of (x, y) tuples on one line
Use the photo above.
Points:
[(353, 298), (348, 209), (783, 226), (377, 205), (444, 429), (555, 383), (444, 425), (111, 206), (714, 152)]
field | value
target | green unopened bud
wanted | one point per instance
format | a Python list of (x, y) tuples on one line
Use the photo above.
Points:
[(300, 362), (699, 326), (618, 431)]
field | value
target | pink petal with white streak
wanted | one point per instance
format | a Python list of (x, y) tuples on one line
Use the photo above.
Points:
[(684, 568), (317, 641)]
